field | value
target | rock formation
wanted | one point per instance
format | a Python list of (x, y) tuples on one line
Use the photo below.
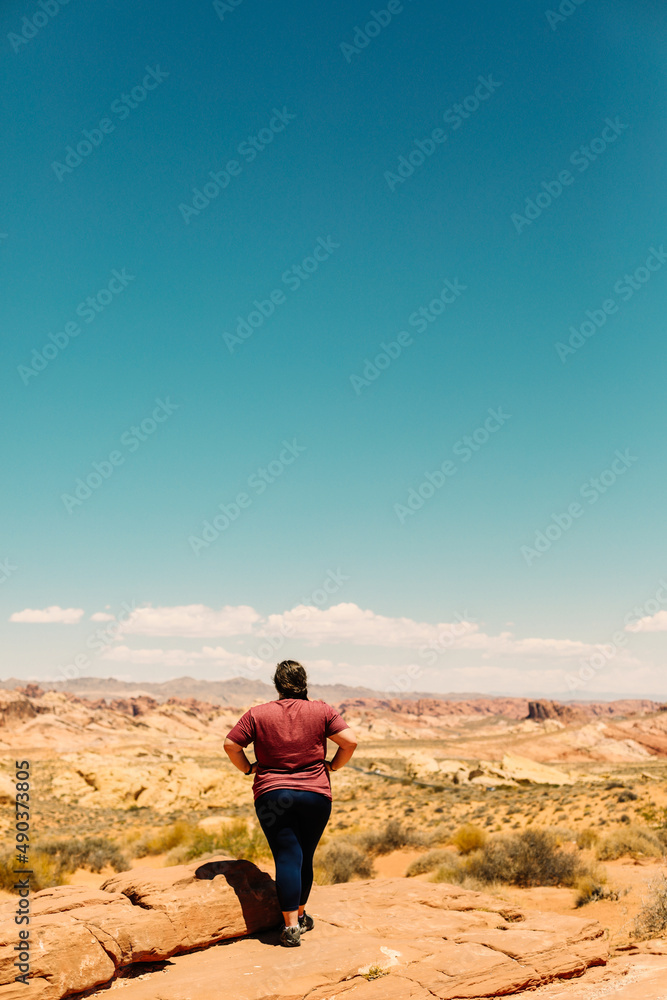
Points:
[(80, 937), (422, 940)]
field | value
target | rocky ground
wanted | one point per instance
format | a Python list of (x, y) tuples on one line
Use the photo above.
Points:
[(128, 770)]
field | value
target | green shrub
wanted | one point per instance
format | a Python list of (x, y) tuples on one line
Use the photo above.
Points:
[(468, 838), (339, 860), (531, 857), (634, 842), (651, 921)]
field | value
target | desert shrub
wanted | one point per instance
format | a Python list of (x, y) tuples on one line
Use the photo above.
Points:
[(562, 834), (428, 862), (235, 840), (454, 871), (651, 921), (339, 861), (531, 857), (591, 887), (391, 838), (468, 838), (45, 871), (374, 972), (52, 862), (635, 842), (587, 838), (94, 853), (627, 796), (165, 839)]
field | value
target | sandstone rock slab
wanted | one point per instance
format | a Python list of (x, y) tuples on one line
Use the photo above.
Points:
[(80, 937)]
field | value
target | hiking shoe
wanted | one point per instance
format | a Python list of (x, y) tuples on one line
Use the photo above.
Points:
[(290, 937), (306, 923)]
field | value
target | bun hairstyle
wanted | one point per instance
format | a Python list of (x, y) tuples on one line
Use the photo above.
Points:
[(290, 680)]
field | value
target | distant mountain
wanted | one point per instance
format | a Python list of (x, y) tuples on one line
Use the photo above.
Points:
[(236, 691), (240, 691)]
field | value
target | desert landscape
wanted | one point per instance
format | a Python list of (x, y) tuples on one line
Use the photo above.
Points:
[(477, 847)]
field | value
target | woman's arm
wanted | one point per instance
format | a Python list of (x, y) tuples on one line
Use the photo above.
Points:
[(347, 744), (237, 756)]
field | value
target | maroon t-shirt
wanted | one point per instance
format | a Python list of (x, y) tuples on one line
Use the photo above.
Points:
[(290, 737)]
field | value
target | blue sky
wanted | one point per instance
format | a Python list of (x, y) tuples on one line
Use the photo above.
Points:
[(498, 167)]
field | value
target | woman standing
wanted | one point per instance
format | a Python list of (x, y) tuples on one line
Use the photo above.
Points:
[(292, 788)]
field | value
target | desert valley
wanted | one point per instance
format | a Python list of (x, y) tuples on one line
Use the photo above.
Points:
[(477, 847)]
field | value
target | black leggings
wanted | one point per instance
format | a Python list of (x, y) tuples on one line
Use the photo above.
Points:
[(293, 821)]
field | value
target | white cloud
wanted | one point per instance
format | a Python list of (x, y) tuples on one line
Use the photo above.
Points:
[(49, 616), (215, 656), (350, 623), (193, 620), (101, 616), (650, 623)]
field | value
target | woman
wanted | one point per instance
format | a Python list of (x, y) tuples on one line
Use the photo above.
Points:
[(292, 787)]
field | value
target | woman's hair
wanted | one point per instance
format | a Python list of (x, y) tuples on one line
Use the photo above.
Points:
[(290, 680)]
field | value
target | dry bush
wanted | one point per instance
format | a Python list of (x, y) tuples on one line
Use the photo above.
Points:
[(651, 921), (455, 872), (165, 839), (52, 861), (94, 853), (587, 838), (562, 834), (428, 862), (391, 838), (634, 842), (591, 888), (235, 840), (339, 861), (531, 857), (468, 838), (45, 871)]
